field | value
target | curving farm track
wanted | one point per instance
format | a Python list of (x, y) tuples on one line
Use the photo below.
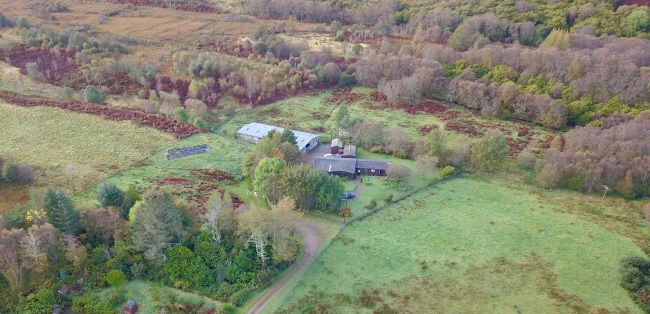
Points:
[(314, 232)]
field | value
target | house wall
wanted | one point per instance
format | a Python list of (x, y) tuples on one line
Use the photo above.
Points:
[(343, 174), (248, 138), (335, 150), (312, 144), (372, 172)]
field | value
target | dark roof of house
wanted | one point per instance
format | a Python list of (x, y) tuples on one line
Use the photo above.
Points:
[(373, 164), (337, 142), (350, 150), (333, 164)]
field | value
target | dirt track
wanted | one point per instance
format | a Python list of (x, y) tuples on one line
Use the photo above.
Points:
[(314, 232)]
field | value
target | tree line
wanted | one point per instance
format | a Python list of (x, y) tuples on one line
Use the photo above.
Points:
[(222, 252)]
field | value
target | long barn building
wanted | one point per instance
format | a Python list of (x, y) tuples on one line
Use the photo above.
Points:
[(254, 132)]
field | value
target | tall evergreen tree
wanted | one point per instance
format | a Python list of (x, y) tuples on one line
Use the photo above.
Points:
[(61, 212), (288, 136), (157, 225)]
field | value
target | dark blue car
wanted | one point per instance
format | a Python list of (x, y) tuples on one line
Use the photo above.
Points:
[(348, 196)]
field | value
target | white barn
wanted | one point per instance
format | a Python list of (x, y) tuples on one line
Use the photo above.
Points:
[(254, 132)]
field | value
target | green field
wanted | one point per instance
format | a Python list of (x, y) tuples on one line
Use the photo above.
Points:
[(151, 297), (68, 148), (476, 245), (225, 154), (302, 113)]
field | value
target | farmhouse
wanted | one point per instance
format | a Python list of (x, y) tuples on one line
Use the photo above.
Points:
[(337, 145), (340, 167), (254, 132), (351, 167)]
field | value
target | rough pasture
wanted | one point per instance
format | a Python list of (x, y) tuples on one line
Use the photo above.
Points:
[(162, 123), (190, 6), (70, 150), (476, 245), (196, 191)]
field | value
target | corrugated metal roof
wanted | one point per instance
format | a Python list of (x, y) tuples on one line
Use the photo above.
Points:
[(261, 130)]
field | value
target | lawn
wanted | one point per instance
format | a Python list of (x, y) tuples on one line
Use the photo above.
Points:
[(70, 149), (474, 245), (152, 297), (225, 154), (378, 188)]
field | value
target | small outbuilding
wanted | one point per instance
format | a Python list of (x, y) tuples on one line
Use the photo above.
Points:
[(130, 307), (337, 145), (349, 151)]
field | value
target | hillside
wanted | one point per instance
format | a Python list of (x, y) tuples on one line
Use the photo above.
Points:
[(494, 156)]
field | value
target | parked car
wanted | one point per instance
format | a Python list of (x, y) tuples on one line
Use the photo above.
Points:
[(348, 196)]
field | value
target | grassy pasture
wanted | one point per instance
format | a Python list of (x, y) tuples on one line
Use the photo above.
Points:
[(302, 113), (151, 297), (225, 154), (475, 245), (52, 140)]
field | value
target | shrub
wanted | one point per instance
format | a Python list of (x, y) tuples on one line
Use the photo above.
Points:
[(11, 173), (39, 302), (447, 171), (526, 160), (389, 198), (115, 278), (92, 95), (25, 173), (90, 303), (22, 22), (371, 205), (399, 174), (346, 79), (109, 195), (68, 93)]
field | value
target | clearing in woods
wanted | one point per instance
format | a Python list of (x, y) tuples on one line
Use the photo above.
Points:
[(66, 147), (474, 244)]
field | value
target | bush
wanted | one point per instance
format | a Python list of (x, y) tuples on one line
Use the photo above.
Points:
[(109, 195), (447, 171), (22, 22), (399, 174), (25, 173), (346, 79), (371, 205), (115, 278), (526, 160), (389, 198), (90, 303), (11, 173), (92, 95), (39, 302)]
